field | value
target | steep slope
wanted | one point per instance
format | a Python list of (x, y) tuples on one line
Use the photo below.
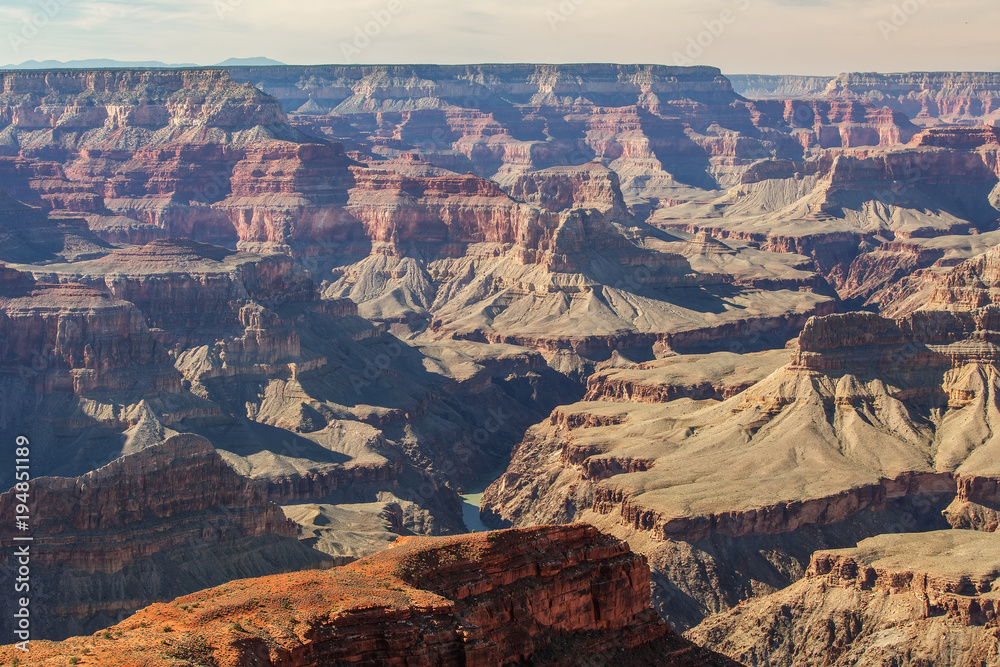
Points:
[(903, 600), (566, 269), (311, 404), (667, 131), (546, 596), (874, 426), (145, 154), (968, 98), (854, 211), (928, 98), (163, 522)]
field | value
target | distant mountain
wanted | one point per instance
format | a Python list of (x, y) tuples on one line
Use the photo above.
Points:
[(93, 63), (107, 62), (249, 62)]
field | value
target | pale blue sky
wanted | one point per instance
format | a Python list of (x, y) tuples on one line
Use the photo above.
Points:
[(765, 36)]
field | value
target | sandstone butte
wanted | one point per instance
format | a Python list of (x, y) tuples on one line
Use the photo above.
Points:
[(549, 596)]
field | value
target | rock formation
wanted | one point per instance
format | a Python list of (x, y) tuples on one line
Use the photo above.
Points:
[(547, 596), (169, 520), (309, 403), (870, 413), (926, 97), (893, 600), (861, 214)]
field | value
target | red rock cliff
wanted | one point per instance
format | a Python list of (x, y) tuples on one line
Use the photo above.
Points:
[(545, 596)]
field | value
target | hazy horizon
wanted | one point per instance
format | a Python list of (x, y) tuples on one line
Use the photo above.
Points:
[(795, 37)]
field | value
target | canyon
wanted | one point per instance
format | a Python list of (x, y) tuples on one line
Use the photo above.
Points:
[(272, 323)]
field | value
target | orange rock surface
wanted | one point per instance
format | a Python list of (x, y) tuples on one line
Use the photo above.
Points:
[(550, 595)]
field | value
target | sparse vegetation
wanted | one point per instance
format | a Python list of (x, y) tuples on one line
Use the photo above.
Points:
[(195, 650)]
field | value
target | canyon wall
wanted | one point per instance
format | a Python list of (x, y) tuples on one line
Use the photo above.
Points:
[(927, 98), (546, 596), (895, 599), (869, 415), (415, 265), (171, 519), (949, 97)]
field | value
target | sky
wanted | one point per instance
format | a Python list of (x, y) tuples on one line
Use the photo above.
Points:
[(821, 37)]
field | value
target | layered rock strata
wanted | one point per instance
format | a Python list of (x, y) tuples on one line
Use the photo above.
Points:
[(870, 416), (893, 600), (926, 97), (862, 215), (71, 337), (553, 596), (148, 154), (171, 519), (566, 269)]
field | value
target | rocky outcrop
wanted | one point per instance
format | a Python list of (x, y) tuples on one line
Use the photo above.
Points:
[(551, 596), (177, 284), (167, 520), (927, 97), (977, 505), (932, 594), (179, 153), (720, 375), (816, 123), (70, 337), (853, 210), (592, 185)]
